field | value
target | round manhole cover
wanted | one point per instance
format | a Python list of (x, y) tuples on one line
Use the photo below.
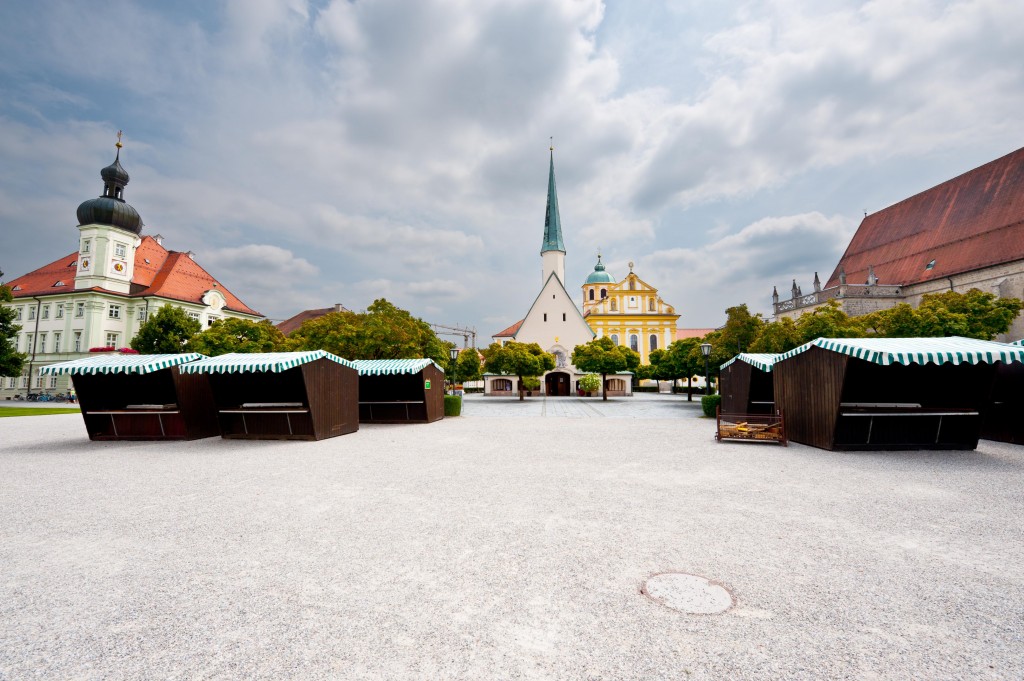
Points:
[(691, 594)]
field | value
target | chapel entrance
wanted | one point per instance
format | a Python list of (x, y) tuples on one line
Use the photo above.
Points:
[(557, 384)]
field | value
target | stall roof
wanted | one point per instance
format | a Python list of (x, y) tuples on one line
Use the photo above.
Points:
[(1020, 342), (761, 360), (120, 364), (275, 362), (885, 351), (387, 367)]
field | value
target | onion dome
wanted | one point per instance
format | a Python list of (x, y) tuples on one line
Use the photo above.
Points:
[(110, 208), (599, 276)]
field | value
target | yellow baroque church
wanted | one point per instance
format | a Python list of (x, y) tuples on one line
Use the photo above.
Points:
[(629, 312)]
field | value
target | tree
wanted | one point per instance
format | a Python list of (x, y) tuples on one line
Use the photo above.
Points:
[(740, 330), (518, 359), (776, 337), (166, 331), (985, 316), (828, 321), (467, 366), (382, 332), (237, 335), (683, 359), (11, 361), (603, 356)]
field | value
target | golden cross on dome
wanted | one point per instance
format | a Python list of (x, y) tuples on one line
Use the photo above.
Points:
[(118, 145)]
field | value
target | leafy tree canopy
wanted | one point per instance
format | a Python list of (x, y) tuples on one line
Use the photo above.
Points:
[(382, 332), (776, 337), (828, 321), (167, 331), (237, 335), (11, 361), (603, 356), (467, 366), (518, 359)]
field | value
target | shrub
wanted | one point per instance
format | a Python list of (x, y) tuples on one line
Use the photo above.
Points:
[(453, 405), (531, 383), (708, 404), (590, 383)]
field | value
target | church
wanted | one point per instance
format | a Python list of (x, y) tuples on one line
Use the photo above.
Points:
[(100, 294), (626, 311)]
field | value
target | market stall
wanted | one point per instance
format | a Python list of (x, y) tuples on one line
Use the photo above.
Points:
[(400, 390), (1004, 419), (282, 395), (888, 393), (141, 397)]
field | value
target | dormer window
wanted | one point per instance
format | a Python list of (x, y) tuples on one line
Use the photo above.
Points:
[(17, 288), (73, 263), (59, 283)]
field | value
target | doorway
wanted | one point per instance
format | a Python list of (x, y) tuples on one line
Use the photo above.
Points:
[(557, 384)]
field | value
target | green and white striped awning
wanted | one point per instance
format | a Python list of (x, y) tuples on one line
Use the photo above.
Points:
[(388, 367), (760, 360), (1020, 342), (112, 363), (258, 362), (886, 351)]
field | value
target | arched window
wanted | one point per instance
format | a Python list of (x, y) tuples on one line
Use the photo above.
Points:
[(654, 341), (615, 338), (591, 294), (650, 305), (614, 306), (604, 293), (634, 343)]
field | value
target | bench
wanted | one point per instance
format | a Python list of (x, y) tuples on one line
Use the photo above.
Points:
[(900, 410), (406, 403), (250, 408), (158, 410)]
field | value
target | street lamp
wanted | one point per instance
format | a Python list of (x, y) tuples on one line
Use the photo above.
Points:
[(705, 349), (453, 354)]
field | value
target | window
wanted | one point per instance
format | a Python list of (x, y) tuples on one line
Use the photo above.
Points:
[(111, 340), (210, 319), (28, 342), (56, 341), (634, 343), (17, 317), (85, 246), (31, 313), (604, 293), (80, 309), (615, 338), (563, 316), (654, 342), (545, 316), (53, 381), (13, 382), (39, 378), (42, 342), (78, 341), (46, 311), (24, 380), (114, 312), (143, 313), (195, 316), (60, 311), (119, 250), (591, 294)]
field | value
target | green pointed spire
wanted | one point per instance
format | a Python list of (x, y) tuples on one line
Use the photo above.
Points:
[(552, 223)]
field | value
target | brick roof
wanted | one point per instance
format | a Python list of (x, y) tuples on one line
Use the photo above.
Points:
[(168, 274), (291, 324), (511, 331), (968, 223)]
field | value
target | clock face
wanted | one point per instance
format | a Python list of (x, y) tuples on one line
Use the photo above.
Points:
[(86, 264), (119, 267)]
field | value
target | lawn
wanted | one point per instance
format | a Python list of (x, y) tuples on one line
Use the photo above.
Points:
[(37, 411)]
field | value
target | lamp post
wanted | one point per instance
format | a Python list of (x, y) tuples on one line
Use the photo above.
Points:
[(705, 349), (453, 354)]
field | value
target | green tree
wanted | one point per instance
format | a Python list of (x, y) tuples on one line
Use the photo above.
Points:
[(985, 315), (776, 337), (603, 356), (166, 331), (740, 330), (467, 366), (828, 321), (683, 359), (11, 361), (518, 359), (382, 332), (237, 335)]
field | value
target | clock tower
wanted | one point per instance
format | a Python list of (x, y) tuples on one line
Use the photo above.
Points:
[(108, 234)]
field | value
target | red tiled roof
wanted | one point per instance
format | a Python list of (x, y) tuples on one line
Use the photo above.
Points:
[(692, 333), (287, 326), (968, 223), (510, 331), (168, 274)]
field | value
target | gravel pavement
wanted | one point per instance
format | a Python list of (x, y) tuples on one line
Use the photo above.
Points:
[(496, 546)]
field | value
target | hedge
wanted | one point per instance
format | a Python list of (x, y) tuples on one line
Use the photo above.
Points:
[(708, 404), (453, 405)]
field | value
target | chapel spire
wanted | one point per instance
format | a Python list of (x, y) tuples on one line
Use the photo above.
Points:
[(552, 222)]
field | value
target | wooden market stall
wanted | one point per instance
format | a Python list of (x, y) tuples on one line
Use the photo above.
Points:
[(888, 393), (746, 386), (282, 395), (1004, 419), (747, 410), (141, 397), (400, 390)]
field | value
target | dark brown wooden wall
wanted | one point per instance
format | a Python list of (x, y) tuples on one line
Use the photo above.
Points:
[(195, 400), (808, 389), (332, 391), (1004, 417), (435, 396), (735, 387)]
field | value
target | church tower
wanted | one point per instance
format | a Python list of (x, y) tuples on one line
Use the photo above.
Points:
[(552, 251), (108, 234)]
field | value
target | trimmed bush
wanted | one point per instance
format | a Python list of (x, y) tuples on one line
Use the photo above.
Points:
[(708, 404), (453, 405)]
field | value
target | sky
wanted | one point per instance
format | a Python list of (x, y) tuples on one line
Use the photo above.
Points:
[(319, 152)]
